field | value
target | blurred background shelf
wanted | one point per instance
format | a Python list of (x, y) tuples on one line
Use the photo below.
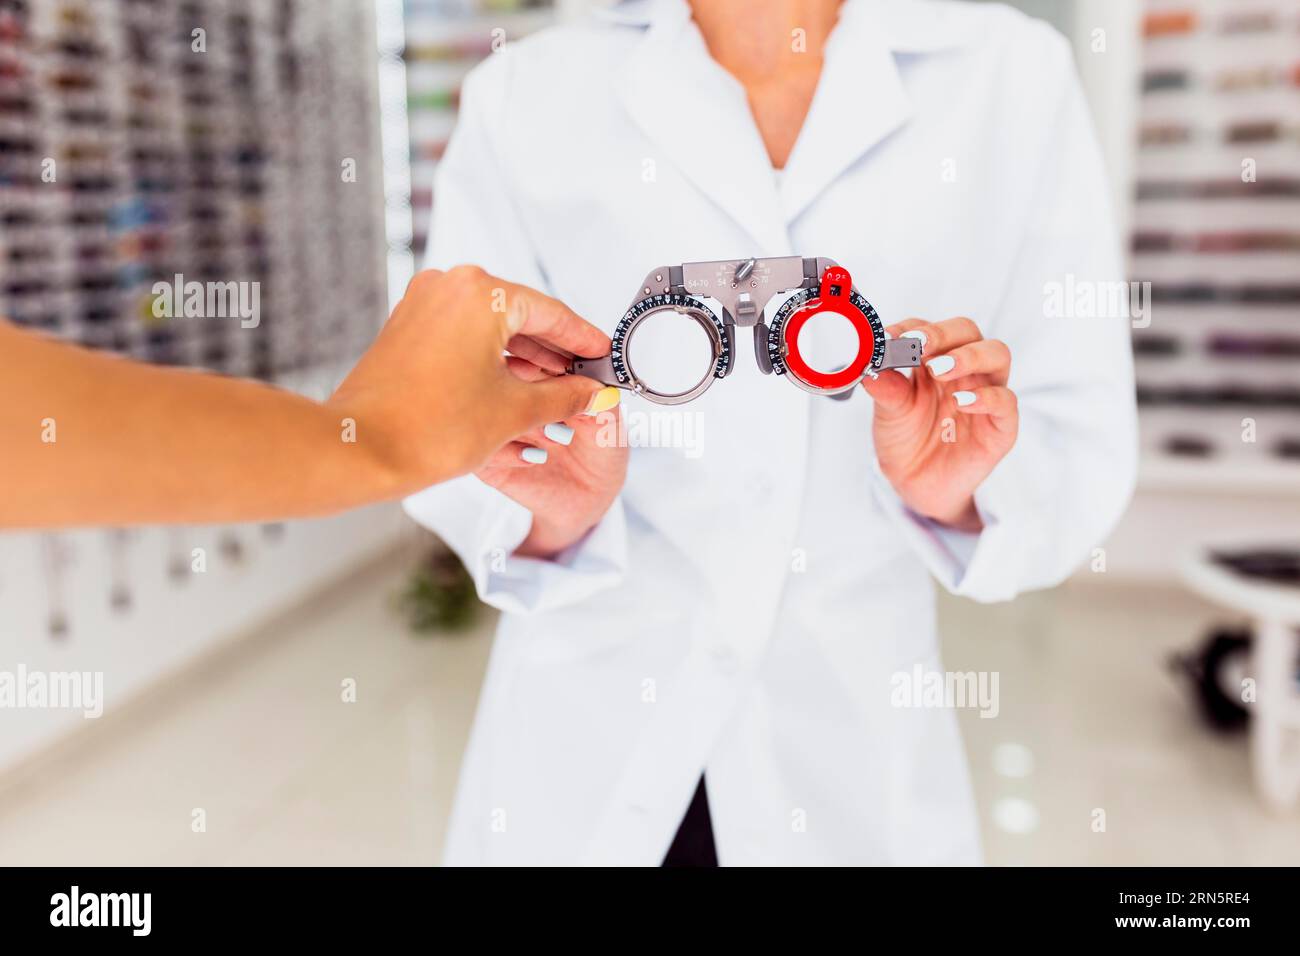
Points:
[(1215, 227), (1162, 474), (436, 43)]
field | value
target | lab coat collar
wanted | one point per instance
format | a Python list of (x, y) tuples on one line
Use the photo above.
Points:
[(698, 114), (860, 99)]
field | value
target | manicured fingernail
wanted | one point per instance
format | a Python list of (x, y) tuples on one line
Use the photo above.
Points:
[(915, 334), (964, 398), (603, 400), (534, 456), (558, 432), (516, 312), (941, 365)]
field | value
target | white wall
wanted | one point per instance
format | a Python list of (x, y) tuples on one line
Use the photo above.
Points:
[(170, 623)]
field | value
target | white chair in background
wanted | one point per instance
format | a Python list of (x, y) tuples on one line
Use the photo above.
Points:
[(1274, 610)]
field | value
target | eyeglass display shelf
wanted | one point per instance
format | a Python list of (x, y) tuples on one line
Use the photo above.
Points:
[(1168, 473)]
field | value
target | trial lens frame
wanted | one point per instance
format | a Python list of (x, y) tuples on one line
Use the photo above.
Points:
[(743, 290)]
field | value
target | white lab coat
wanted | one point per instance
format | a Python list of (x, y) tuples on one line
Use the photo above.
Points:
[(743, 612)]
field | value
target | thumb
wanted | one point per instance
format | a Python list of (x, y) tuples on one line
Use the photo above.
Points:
[(891, 390), (558, 397)]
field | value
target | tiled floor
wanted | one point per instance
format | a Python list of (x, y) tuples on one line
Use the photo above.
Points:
[(1087, 691), (263, 743), (286, 772)]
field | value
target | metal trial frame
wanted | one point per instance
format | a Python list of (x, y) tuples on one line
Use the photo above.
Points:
[(744, 288)]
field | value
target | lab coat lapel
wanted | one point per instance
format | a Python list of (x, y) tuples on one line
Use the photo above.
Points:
[(696, 116), (860, 101)]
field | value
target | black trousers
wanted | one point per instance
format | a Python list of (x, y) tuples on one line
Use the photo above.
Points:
[(693, 844)]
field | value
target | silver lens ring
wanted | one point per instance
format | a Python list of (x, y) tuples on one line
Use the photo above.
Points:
[(688, 306)]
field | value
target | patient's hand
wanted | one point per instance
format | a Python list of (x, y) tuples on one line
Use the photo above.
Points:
[(940, 433), (572, 489)]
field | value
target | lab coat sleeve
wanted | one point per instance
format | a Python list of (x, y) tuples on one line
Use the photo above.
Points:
[(475, 221), (1060, 491)]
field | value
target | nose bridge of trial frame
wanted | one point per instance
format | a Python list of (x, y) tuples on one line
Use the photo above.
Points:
[(744, 287)]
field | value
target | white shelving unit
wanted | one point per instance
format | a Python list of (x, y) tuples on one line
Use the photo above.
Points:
[(1186, 91), (1216, 229)]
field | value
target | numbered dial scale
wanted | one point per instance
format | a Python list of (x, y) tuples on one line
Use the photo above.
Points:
[(719, 296), (685, 305)]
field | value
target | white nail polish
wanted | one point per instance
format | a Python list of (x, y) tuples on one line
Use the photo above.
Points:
[(964, 398), (941, 365), (915, 334), (558, 432), (534, 456)]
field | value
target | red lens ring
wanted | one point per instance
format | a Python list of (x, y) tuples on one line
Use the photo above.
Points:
[(828, 381)]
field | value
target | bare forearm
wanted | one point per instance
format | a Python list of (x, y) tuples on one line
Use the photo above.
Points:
[(92, 439)]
